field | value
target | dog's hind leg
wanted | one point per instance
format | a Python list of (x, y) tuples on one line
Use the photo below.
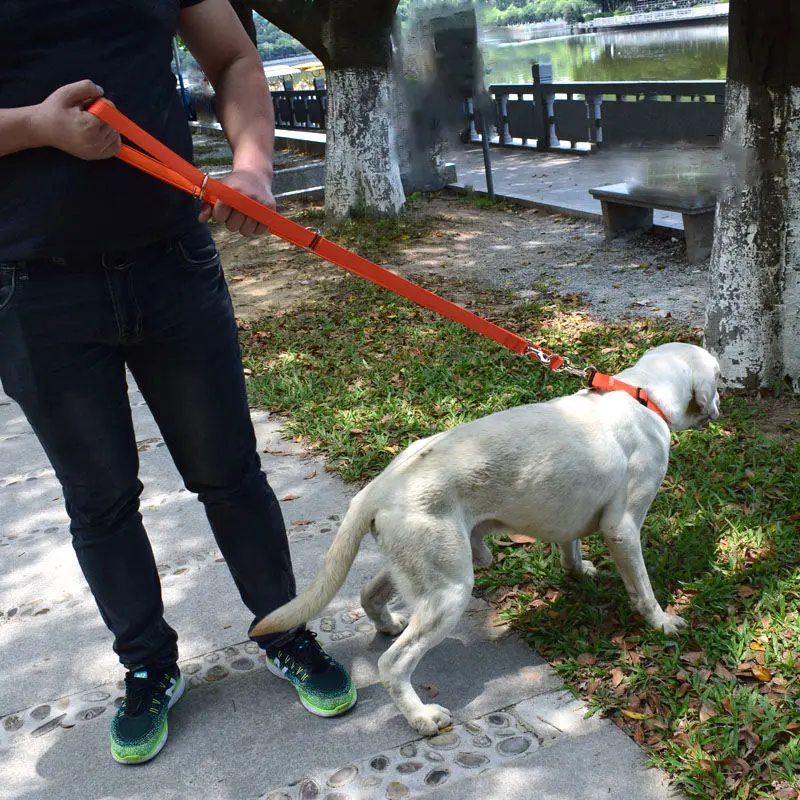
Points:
[(433, 619), (572, 561), (375, 597)]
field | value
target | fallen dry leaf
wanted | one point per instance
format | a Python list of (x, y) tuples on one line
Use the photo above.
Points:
[(586, 659), (726, 704), (430, 689), (633, 714), (302, 522), (310, 476), (762, 673), (519, 538), (724, 672), (706, 712), (757, 646), (289, 497), (617, 676)]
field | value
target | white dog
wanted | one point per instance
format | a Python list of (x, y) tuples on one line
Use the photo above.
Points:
[(592, 461)]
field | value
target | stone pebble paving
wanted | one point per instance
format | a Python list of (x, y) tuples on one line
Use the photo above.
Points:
[(418, 767), (68, 711), (407, 771)]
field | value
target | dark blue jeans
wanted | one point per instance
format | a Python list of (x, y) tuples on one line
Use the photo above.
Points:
[(68, 329)]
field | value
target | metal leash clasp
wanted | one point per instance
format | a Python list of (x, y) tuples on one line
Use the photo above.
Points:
[(543, 356), (546, 358), (578, 372)]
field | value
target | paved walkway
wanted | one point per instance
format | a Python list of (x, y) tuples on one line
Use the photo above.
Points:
[(239, 732), (560, 181)]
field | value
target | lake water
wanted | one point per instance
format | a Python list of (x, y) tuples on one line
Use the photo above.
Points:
[(697, 52)]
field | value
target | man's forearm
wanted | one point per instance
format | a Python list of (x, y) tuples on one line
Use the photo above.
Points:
[(245, 111), (17, 130)]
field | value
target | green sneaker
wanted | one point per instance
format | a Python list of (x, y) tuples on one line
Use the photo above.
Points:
[(139, 728), (323, 684)]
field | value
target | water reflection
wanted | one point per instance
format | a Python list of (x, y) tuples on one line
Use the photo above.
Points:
[(697, 52)]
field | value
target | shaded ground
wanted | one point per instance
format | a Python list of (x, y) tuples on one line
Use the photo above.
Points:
[(502, 246)]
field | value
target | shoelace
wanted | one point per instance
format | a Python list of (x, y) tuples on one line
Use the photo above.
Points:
[(142, 694), (305, 651)]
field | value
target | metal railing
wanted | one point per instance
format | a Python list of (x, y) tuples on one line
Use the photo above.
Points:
[(305, 109), (587, 115), (656, 17)]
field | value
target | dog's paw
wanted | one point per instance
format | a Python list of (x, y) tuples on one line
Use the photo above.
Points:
[(392, 624), (430, 719), (588, 569), (671, 623)]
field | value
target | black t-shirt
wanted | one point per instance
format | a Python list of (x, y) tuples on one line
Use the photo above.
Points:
[(51, 203)]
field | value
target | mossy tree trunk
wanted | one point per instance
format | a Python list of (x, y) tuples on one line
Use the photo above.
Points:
[(352, 39), (753, 310)]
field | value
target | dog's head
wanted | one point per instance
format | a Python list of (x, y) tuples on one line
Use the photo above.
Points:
[(681, 379)]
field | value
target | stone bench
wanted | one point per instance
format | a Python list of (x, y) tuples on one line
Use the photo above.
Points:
[(628, 207)]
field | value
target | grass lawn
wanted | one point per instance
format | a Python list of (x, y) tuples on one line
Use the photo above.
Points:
[(358, 374)]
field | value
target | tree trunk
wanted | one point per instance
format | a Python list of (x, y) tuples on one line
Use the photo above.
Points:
[(362, 173), (352, 38), (753, 309)]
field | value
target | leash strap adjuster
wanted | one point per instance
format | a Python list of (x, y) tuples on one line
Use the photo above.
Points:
[(312, 245)]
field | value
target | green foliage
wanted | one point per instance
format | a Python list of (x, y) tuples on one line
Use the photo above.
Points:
[(518, 12), (274, 43)]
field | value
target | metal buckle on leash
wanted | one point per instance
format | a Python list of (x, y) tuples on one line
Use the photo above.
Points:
[(200, 190), (544, 357), (585, 373), (311, 246), (547, 358)]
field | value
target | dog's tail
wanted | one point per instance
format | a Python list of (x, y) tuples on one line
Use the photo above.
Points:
[(329, 579)]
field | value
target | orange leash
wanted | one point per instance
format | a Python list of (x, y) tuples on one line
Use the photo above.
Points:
[(166, 165)]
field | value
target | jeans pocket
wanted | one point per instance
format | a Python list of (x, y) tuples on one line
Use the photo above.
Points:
[(8, 286), (197, 249)]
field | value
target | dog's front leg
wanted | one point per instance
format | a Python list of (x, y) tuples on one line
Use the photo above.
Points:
[(626, 549), (572, 561), (435, 616)]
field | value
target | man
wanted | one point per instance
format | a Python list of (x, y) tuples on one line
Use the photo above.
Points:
[(103, 268)]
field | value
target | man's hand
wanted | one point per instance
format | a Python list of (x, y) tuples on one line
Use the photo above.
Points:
[(62, 121), (252, 184)]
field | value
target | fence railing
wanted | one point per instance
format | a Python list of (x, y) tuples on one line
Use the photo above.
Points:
[(549, 115), (552, 115), (301, 108), (658, 17)]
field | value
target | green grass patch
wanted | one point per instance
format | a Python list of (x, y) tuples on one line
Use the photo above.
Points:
[(359, 374), (375, 238)]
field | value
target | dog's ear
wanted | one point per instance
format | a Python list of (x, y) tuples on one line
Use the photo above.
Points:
[(705, 399)]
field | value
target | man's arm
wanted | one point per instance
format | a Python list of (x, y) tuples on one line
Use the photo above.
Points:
[(60, 121), (226, 55)]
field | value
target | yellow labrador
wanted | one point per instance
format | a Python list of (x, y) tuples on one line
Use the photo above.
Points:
[(592, 461)]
